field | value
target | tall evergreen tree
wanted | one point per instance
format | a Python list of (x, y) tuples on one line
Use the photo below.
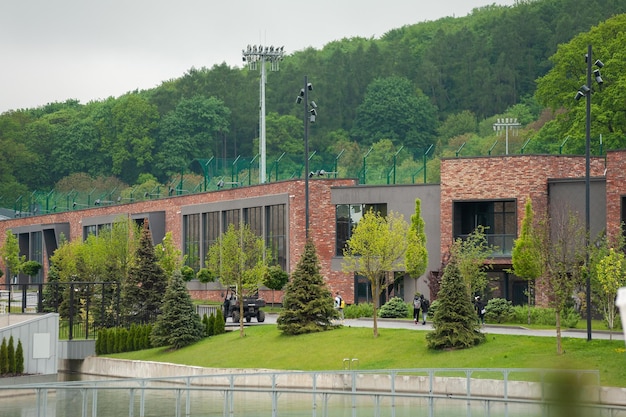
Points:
[(455, 321), (416, 252), (19, 358), (11, 355), (307, 302), (178, 325), (4, 357), (146, 284)]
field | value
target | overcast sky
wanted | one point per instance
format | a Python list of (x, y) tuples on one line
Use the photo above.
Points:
[(54, 50)]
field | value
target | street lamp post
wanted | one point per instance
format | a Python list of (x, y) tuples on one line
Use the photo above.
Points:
[(310, 112), (585, 91), (253, 55)]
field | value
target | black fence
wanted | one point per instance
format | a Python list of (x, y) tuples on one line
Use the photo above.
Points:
[(83, 307)]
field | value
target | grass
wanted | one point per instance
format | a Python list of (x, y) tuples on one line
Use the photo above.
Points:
[(264, 347)]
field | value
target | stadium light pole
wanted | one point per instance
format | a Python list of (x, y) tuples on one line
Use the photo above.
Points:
[(254, 54), (507, 124), (585, 91)]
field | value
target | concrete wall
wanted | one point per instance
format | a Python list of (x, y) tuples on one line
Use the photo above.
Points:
[(40, 340), (117, 368)]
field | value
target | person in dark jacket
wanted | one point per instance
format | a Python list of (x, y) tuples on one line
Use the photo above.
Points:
[(479, 306), (425, 304)]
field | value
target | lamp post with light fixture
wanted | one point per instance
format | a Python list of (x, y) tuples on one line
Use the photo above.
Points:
[(310, 113), (254, 54), (585, 91), (507, 124)]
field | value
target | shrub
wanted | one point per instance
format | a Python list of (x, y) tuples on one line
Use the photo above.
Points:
[(498, 310), (219, 325), (394, 308), (11, 355), (570, 318), (19, 358), (355, 311), (4, 358)]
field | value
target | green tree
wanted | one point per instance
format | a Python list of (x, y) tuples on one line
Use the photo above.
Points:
[(31, 268), (455, 325), (143, 290), (275, 279), (416, 252), (611, 274), (4, 357), (393, 108), (470, 255), (169, 256), (238, 257), (178, 325), (376, 248), (563, 243), (10, 253), (307, 301), (527, 257), (11, 355), (19, 358)]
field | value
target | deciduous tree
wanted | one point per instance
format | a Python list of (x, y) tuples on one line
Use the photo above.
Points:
[(376, 248)]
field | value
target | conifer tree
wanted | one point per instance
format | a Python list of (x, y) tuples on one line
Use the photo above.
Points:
[(455, 324), (19, 358), (11, 355), (4, 358), (416, 252), (178, 325), (219, 325), (307, 302), (146, 283)]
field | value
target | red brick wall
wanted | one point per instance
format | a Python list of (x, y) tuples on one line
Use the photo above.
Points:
[(321, 220), (615, 190)]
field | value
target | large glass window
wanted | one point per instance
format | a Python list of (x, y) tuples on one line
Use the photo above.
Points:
[(253, 217), (36, 254), (499, 218), (276, 230), (347, 217), (211, 230), (191, 237), (230, 217)]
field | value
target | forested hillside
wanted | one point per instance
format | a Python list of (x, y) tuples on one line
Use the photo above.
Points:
[(434, 87)]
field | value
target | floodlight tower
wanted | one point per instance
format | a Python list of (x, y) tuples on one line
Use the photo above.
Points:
[(254, 54), (507, 124)]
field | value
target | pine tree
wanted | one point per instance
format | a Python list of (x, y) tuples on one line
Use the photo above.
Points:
[(455, 323), (146, 283), (307, 302), (11, 355), (19, 358), (4, 359), (178, 325)]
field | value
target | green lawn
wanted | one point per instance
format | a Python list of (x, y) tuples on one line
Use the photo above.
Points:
[(265, 347)]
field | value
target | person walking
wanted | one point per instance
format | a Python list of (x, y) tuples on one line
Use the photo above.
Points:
[(417, 304), (425, 304), (479, 306), (339, 305)]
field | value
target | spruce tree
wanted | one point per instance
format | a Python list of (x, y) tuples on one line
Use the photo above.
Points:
[(307, 302), (178, 325), (11, 355), (4, 358), (455, 323), (146, 283), (19, 358), (219, 325)]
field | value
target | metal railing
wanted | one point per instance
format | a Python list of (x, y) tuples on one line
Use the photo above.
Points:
[(395, 393)]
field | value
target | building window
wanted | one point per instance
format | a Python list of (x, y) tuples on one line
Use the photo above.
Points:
[(276, 234), (499, 218), (252, 216), (36, 254), (230, 217), (347, 217), (191, 240), (211, 231)]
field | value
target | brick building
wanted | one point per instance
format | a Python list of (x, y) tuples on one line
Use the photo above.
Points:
[(488, 191)]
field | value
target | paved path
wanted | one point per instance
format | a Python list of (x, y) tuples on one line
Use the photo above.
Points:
[(489, 328)]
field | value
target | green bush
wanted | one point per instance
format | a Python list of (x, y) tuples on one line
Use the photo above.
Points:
[(4, 357), (544, 316), (498, 310), (19, 358), (355, 311), (394, 308), (11, 355)]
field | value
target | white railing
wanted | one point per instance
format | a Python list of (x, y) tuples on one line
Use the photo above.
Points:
[(394, 393)]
